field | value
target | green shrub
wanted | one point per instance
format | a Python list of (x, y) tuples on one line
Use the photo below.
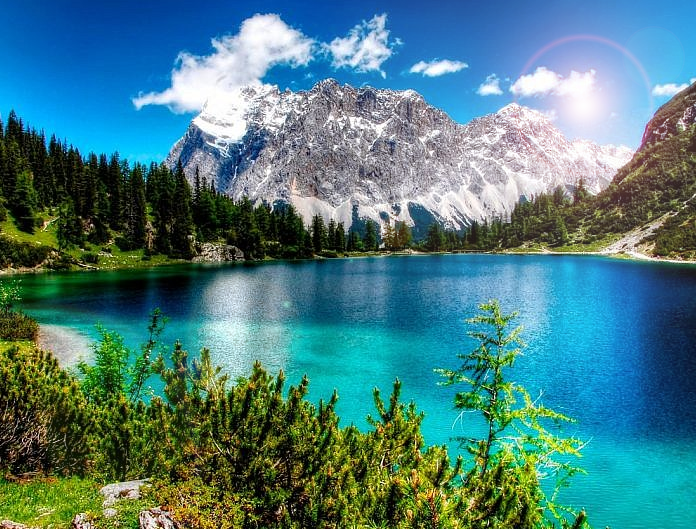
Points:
[(45, 421), (16, 254), (90, 257), (15, 326)]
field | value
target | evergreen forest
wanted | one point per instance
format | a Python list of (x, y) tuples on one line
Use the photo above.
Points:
[(99, 201)]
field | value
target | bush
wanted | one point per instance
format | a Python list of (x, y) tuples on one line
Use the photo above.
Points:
[(124, 244), (13, 253), (90, 257), (44, 418), (16, 326)]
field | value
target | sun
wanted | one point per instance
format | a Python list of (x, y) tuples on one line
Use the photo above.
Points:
[(584, 108)]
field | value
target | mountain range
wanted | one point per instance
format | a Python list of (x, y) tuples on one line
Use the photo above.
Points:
[(361, 153)]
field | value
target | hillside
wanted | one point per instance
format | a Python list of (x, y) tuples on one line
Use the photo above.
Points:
[(649, 208)]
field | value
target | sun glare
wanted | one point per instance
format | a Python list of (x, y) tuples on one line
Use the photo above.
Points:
[(584, 108)]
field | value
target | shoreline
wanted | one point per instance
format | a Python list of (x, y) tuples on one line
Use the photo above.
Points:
[(631, 255), (69, 346), (626, 255)]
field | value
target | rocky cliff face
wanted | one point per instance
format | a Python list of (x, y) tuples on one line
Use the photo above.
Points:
[(349, 153), (674, 117)]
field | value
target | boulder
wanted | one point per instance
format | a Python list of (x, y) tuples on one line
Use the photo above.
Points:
[(114, 492), (209, 252), (9, 524), (157, 519), (81, 522)]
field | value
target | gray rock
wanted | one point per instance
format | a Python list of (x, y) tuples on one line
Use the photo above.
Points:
[(81, 522), (124, 490), (9, 524), (348, 153), (157, 519), (217, 253)]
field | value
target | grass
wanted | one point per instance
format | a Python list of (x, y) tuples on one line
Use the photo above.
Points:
[(118, 259), (25, 346), (54, 502), (594, 246), (48, 502), (46, 238)]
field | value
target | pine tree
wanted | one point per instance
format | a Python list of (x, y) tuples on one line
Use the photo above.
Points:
[(435, 240), (389, 237), (23, 202), (248, 234), (69, 226), (354, 243), (403, 235), (115, 191), (340, 237), (516, 444), (580, 193), (331, 235), (135, 212), (319, 235), (370, 240), (182, 227)]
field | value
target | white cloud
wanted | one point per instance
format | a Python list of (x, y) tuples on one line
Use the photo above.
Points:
[(365, 48), (670, 89), (237, 60), (490, 87), (437, 68), (544, 82)]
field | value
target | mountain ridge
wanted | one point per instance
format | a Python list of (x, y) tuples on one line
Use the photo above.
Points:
[(355, 153)]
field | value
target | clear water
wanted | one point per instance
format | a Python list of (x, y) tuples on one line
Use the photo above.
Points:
[(611, 343)]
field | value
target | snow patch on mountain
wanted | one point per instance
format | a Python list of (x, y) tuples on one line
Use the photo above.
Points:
[(347, 153)]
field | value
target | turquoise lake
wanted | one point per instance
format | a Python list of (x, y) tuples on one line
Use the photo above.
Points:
[(611, 343)]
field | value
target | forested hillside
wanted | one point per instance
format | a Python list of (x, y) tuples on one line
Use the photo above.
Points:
[(653, 195), (99, 204)]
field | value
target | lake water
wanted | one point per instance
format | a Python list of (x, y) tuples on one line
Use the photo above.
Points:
[(611, 343)]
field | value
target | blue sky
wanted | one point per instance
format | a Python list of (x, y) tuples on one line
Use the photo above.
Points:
[(130, 75)]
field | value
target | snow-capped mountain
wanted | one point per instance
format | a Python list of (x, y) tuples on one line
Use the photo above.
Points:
[(349, 153)]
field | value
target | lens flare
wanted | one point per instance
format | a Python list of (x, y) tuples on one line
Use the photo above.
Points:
[(585, 107)]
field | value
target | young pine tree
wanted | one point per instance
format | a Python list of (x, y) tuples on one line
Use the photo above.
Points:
[(516, 446)]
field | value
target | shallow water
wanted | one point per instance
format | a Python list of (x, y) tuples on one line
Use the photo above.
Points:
[(611, 343)]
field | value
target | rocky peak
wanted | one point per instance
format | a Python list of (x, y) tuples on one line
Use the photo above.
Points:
[(353, 153), (673, 117)]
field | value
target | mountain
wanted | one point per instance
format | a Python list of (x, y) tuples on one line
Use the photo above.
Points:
[(653, 197), (648, 209), (349, 154)]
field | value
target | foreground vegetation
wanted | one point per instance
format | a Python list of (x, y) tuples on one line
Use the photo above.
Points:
[(256, 453)]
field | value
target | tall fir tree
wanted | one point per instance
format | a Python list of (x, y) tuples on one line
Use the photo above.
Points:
[(370, 241), (23, 202), (136, 208), (319, 235), (182, 226), (340, 237)]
